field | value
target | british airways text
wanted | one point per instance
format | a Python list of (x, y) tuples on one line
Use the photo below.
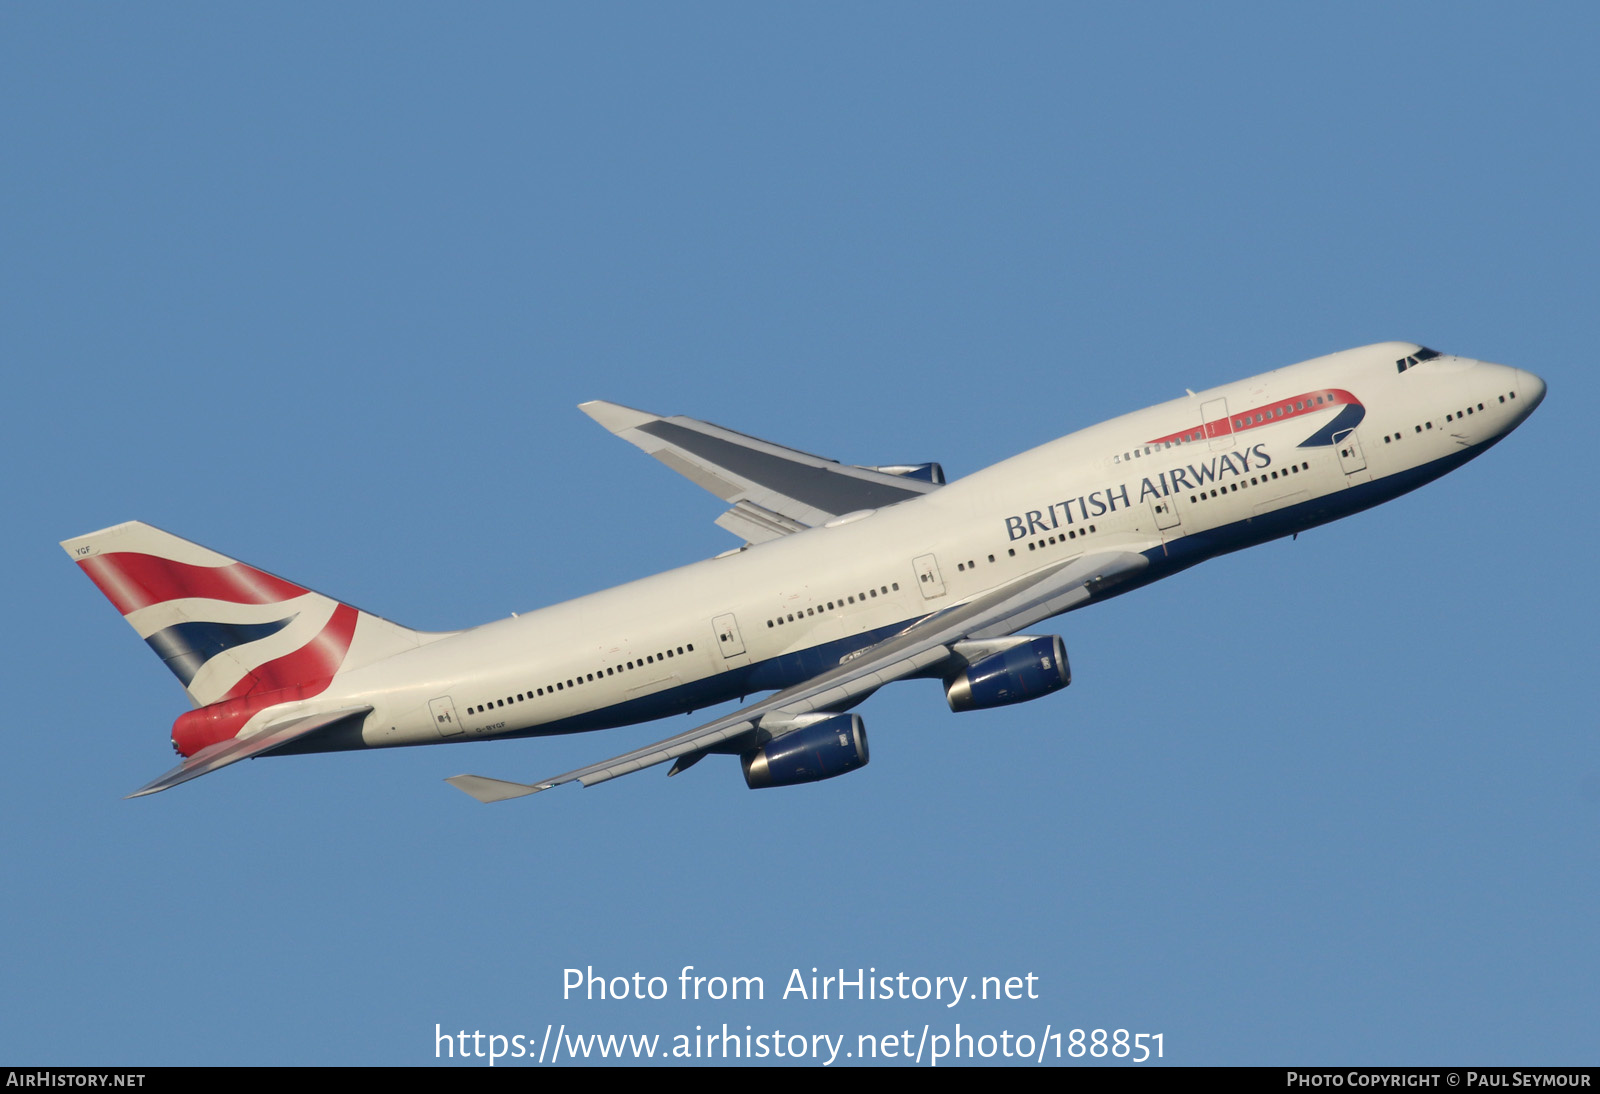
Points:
[(1100, 502)]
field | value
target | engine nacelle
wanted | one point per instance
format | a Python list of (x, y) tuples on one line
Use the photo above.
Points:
[(830, 746), (927, 472), (1030, 668)]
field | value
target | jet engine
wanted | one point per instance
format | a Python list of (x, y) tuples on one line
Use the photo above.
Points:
[(821, 749), (927, 472), (995, 676)]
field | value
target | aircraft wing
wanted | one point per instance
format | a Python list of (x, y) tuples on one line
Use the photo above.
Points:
[(774, 490), (921, 645), (223, 753)]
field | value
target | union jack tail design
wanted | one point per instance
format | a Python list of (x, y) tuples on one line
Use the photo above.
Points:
[(229, 631)]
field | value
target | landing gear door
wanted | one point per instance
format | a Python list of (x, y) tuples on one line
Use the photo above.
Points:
[(928, 579)]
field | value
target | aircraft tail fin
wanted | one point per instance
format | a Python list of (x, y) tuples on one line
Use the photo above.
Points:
[(227, 630)]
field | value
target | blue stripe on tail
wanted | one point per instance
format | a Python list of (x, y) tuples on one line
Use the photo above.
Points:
[(187, 646)]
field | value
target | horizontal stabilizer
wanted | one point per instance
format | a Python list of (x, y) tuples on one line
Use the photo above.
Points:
[(223, 753)]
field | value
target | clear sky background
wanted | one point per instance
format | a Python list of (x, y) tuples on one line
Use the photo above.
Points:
[(320, 287)]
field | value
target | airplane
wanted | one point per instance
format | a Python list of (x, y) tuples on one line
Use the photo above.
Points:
[(848, 578)]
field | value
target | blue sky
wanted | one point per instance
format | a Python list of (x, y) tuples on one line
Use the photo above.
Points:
[(320, 288)]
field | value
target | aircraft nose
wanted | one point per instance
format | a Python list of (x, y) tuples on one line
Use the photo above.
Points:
[(1531, 389)]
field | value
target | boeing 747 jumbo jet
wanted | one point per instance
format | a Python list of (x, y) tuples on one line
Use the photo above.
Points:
[(848, 578)]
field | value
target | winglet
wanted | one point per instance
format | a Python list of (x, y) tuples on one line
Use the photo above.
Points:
[(492, 790)]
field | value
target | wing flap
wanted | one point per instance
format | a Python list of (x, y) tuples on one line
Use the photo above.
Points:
[(610, 769), (756, 524)]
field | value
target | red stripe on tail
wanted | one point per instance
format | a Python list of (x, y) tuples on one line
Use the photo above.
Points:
[(310, 667), (132, 581)]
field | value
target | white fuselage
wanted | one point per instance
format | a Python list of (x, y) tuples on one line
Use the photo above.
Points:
[(1179, 483)]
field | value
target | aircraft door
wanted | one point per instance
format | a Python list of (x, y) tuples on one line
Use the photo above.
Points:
[(444, 716), (928, 579), (1166, 511), (1217, 426), (729, 641), (1350, 457)]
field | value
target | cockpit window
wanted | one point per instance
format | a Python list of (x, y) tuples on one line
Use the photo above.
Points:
[(1423, 354)]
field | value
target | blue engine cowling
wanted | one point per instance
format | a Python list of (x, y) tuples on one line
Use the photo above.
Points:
[(818, 751), (1031, 668)]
